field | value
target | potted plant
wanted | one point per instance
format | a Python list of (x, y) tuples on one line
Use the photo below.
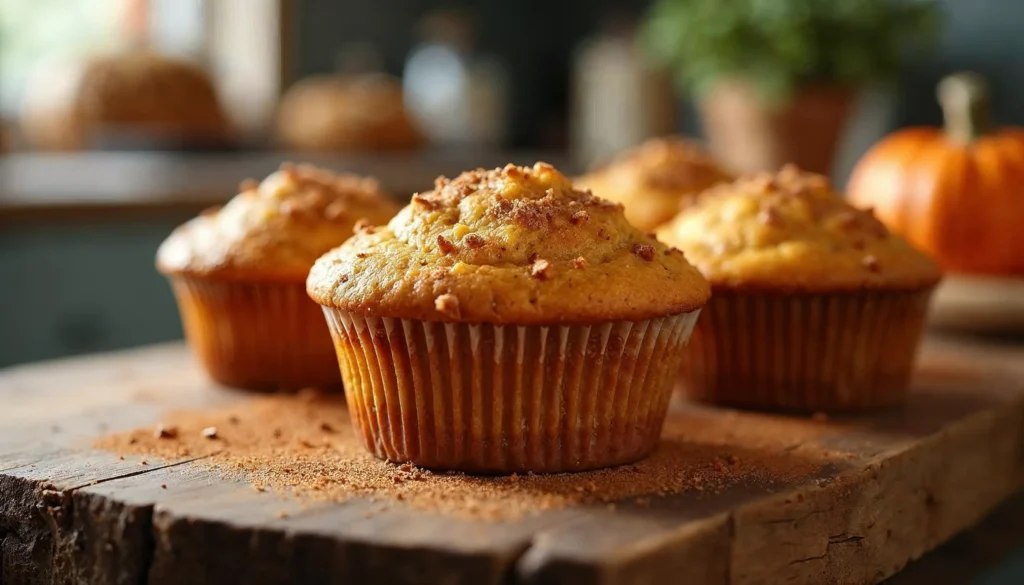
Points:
[(774, 80)]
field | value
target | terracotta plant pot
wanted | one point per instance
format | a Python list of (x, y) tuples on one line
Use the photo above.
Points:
[(749, 135)]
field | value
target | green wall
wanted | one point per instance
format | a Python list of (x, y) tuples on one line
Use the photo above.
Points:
[(69, 289)]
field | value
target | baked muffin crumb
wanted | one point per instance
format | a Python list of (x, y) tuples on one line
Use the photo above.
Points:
[(789, 230), (654, 179), (444, 245), (448, 305), (540, 269), (274, 230), (644, 251), (507, 244)]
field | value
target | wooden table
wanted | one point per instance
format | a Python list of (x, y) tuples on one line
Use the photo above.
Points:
[(902, 483)]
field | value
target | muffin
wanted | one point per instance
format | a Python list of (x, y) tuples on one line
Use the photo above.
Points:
[(136, 96), (653, 180), (346, 113), (816, 307), (239, 275), (508, 322)]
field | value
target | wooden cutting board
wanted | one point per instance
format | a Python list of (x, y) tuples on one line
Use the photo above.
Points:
[(975, 304), (901, 483)]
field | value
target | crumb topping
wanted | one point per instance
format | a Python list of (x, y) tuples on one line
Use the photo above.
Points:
[(540, 269), (490, 232), (644, 251), (791, 229), (277, 228), (655, 178), (448, 305)]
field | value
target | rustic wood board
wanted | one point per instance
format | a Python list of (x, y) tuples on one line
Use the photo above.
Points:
[(979, 304), (909, 480), (991, 553)]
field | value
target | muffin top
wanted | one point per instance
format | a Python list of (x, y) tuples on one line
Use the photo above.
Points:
[(68, 104), (654, 179), (342, 113), (517, 245), (791, 232), (275, 230)]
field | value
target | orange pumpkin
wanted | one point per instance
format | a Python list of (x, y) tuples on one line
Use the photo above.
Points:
[(954, 192)]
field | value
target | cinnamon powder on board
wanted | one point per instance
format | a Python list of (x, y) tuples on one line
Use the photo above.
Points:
[(304, 446)]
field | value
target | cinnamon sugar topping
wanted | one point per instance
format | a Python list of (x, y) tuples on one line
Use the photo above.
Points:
[(540, 269), (871, 263), (770, 216), (279, 445), (424, 200), (444, 245), (645, 251), (363, 226), (474, 241), (448, 305), (579, 217)]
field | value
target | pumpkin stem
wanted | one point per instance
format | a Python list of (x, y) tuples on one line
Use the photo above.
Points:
[(965, 106)]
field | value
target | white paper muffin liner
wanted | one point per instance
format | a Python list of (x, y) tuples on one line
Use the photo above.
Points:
[(489, 398)]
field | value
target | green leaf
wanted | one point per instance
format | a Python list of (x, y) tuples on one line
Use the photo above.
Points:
[(777, 45)]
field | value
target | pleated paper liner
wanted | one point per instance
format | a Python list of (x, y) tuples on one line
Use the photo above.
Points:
[(828, 352), (257, 336), (501, 399)]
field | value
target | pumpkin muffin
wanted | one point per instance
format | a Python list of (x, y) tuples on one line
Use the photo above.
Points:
[(653, 180), (346, 113), (506, 321), (239, 275), (142, 97), (816, 305)]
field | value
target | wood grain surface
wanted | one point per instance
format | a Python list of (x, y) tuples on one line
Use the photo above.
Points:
[(979, 304), (907, 481)]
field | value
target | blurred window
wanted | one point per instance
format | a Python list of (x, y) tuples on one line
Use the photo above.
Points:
[(240, 41), (31, 30)]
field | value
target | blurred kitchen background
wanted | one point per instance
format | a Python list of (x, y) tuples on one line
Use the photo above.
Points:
[(123, 118)]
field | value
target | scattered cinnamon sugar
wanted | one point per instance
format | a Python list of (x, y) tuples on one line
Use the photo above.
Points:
[(304, 446), (165, 432)]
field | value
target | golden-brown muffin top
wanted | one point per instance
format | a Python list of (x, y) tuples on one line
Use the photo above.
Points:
[(275, 230), (791, 232), (346, 113), (70, 104), (517, 245), (654, 179)]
